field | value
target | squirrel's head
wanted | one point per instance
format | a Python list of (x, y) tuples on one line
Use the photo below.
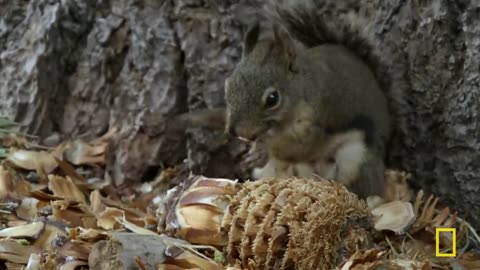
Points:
[(259, 94)]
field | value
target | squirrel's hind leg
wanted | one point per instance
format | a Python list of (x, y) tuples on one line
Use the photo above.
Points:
[(371, 177), (355, 165)]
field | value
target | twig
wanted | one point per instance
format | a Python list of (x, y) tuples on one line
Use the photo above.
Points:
[(191, 248), (391, 246), (140, 264)]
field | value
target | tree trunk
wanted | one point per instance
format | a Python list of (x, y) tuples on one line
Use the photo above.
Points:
[(84, 66)]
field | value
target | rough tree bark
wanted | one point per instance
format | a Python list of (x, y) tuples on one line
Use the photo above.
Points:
[(84, 66)]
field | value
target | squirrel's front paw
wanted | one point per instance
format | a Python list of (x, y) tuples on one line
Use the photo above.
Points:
[(273, 169), (265, 172)]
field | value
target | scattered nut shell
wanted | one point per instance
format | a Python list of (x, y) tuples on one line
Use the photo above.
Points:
[(394, 216)]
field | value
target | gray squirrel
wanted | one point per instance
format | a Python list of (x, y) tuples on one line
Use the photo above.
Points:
[(310, 86), (303, 88)]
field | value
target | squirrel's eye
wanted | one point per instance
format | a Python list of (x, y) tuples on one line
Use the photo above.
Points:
[(272, 99)]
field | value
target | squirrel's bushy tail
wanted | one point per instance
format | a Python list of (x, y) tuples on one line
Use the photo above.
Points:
[(347, 22), (315, 22)]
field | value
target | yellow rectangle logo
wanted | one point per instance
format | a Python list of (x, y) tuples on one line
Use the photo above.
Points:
[(454, 242)]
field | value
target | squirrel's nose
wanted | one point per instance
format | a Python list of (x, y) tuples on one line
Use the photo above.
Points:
[(245, 133)]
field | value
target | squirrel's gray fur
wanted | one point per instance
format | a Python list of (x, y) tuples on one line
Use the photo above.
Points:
[(314, 88), (346, 22), (354, 25)]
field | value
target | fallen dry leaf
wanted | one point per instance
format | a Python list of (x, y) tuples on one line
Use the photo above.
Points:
[(107, 212), (108, 218), (65, 188), (396, 186), (14, 266), (76, 249), (15, 223), (41, 195), (28, 209), (23, 187), (468, 260), (14, 140), (34, 262), (90, 235), (31, 230), (32, 160), (70, 172), (47, 237), (12, 251), (72, 213), (51, 261), (79, 152), (7, 184), (96, 202), (134, 228)]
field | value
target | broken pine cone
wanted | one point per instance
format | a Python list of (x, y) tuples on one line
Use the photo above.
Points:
[(270, 224)]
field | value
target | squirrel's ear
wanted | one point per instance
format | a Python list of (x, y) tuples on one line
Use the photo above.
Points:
[(286, 45), (251, 38)]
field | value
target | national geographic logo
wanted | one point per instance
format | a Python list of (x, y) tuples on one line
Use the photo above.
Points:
[(453, 231)]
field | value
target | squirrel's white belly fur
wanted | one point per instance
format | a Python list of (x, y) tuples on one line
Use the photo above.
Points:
[(340, 159)]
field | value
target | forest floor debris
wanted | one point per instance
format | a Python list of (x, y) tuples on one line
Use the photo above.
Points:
[(56, 214)]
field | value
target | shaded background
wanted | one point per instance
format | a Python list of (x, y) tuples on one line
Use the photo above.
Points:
[(80, 67)]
